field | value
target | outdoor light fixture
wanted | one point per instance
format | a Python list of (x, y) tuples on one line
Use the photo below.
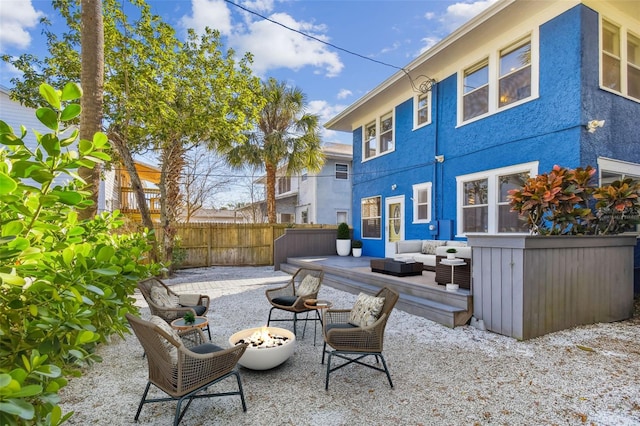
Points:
[(393, 187), (594, 124), (440, 158)]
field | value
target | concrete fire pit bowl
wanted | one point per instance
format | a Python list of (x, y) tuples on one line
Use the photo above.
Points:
[(268, 347)]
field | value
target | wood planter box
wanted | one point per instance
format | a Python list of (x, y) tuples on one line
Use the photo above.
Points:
[(527, 286)]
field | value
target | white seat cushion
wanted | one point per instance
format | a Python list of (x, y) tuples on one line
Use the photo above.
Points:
[(173, 351)]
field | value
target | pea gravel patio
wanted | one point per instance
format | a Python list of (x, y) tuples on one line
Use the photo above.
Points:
[(442, 376)]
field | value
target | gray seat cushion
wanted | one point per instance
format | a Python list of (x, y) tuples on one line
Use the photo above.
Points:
[(206, 348), (198, 308), (285, 300)]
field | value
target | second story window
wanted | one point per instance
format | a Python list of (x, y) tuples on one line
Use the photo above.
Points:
[(422, 108), (476, 90), (620, 60), (284, 184), (378, 137), (505, 78), (342, 171), (515, 74)]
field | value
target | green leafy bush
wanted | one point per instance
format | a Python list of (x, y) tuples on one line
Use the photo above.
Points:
[(65, 284), (343, 231)]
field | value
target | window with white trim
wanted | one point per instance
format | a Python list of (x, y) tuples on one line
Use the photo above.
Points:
[(284, 184), (611, 170), (371, 217), (342, 171), (620, 64), (378, 137), (500, 80), (422, 202), (483, 206), (305, 175), (422, 109)]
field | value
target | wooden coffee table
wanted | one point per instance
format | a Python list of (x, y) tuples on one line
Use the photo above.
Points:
[(200, 322), (396, 268)]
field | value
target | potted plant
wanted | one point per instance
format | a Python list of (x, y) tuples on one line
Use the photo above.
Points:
[(343, 241), (572, 269), (189, 318), (356, 248), (451, 253)]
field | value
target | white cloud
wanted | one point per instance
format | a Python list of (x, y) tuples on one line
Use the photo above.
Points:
[(258, 5), (208, 13), (428, 43), (276, 47), (459, 13), (429, 16), (326, 112), (344, 93), (16, 17)]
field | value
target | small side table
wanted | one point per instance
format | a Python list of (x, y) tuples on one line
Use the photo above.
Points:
[(200, 322), (319, 306), (452, 263)]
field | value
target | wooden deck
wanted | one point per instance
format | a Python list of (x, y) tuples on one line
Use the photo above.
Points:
[(419, 295)]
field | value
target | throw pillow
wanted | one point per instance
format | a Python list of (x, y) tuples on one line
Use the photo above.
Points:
[(366, 310), (429, 246), (171, 349), (160, 297), (309, 285)]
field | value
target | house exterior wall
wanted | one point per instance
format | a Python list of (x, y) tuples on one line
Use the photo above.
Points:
[(332, 194), (545, 130)]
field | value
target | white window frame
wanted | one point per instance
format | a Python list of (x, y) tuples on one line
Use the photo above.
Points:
[(416, 110), (493, 201), (623, 168), (379, 217), (623, 35), (341, 172), (378, 144), (417, 188), (493, 60)]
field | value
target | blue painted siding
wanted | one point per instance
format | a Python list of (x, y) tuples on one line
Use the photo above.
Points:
[(549, 129)]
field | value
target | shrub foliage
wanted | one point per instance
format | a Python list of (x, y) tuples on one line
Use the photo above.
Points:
[(65, 284)]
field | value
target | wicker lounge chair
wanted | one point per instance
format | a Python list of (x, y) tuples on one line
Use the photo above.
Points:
[(173, 305), (183, 366), (355, 342), (290, 298)]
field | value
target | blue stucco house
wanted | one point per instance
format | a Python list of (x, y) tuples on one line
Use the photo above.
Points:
[(519, 88)]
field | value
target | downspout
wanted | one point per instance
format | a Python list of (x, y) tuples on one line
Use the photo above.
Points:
[(436, 181)]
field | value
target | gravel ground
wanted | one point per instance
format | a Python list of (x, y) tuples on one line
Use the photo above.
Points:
[(463, 376)]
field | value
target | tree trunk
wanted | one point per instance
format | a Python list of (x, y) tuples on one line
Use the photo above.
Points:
[(173, 161), (271, 192), (91, 80)]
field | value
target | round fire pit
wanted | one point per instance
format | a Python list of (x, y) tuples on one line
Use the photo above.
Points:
[(268, 347)]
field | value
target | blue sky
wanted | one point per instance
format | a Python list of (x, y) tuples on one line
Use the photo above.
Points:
[(393, 32)]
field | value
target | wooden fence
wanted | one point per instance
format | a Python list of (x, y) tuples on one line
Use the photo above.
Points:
[(231, 244)]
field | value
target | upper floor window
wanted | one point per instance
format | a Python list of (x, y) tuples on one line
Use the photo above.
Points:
[(476, 90), (342, 171), (422, 203), (371, 217), (284, 184), (499, 81), (378, 137), (620, 64), (482, 200), (422, 108)]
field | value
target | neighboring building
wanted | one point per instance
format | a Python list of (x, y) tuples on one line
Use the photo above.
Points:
[(316, 198), (517, 87), (119, 193), (16, 115), (204, 214)]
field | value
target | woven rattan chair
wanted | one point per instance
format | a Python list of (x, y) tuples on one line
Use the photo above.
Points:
[(181, 303), (193, 366), (289, 299), (353, 343)]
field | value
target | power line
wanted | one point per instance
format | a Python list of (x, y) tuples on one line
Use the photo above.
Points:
[(423, 87)]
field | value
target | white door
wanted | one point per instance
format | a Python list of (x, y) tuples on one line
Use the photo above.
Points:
[(394, 224)]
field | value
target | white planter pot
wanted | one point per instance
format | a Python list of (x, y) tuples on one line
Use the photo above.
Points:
[(451, 256), (343, 247), (357, 252)]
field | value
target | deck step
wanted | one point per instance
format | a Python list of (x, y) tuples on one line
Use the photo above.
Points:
[(428, 301)]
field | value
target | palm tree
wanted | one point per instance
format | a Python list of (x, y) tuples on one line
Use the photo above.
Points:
[(285, 134)]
